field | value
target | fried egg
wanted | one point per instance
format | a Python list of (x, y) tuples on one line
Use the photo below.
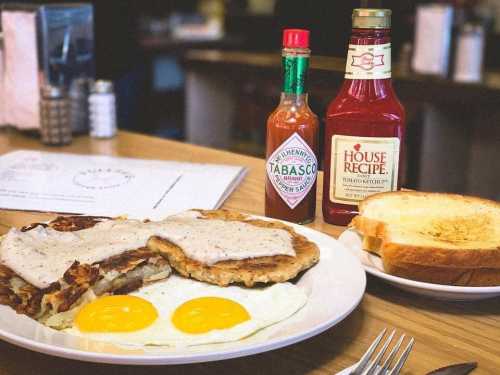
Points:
[(185, 312)]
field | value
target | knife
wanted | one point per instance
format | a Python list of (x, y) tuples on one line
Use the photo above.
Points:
[(459, 369)]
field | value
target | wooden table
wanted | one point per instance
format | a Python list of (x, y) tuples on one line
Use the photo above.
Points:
[(445, 332)]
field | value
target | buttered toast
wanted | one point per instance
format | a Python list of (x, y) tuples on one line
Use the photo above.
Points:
[(441, 238)]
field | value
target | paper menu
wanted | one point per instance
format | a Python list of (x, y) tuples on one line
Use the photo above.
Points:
[(111, 186)]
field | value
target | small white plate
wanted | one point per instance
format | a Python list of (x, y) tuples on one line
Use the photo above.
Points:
[(335, 286), (373, 265)]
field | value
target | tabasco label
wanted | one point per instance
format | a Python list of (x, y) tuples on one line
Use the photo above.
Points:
[(292, 169), (362, 166), (368, 61)]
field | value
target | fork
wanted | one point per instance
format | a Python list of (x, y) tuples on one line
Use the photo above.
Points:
[(365, 366)]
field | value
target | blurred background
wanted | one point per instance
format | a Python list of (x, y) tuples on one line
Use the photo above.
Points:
[(208, 72)]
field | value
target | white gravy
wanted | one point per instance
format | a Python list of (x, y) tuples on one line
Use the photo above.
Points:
[(42, 255)]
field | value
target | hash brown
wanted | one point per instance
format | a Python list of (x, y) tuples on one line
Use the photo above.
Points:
[(118, 274), (17, 293), (278, 268)]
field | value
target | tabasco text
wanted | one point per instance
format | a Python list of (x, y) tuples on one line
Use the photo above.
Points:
[(292, 139)]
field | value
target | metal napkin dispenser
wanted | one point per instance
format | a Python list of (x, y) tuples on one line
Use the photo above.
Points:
[(42, 45)]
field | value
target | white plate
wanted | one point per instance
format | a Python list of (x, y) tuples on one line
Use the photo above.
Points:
[(334, 287), (373, 265)]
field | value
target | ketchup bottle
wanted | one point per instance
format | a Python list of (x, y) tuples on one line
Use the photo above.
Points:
[(365, 123), (292, 139)]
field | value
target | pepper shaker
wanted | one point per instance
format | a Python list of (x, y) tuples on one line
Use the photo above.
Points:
[(102, 110), (79, 108), (55, 126)]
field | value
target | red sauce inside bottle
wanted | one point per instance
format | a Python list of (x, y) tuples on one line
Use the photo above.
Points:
[(363, 108), (292, 139)]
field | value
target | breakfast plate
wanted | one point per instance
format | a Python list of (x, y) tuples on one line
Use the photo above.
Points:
[(334, 287), (373, 265)]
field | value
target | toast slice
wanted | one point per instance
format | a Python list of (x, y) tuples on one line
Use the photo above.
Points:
[(372, 244), (420, 234), (445, 275)]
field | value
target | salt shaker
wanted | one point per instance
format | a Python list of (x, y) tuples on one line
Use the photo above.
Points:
[(55, 126), (102, 110), (469, 55)]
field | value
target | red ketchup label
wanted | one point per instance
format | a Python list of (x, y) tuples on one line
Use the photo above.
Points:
[(362, 166)]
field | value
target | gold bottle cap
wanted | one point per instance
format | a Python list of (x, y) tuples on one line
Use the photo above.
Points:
[(366, 18)]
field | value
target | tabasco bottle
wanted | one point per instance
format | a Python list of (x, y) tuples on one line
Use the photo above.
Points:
[(292, 139), (365, 123)]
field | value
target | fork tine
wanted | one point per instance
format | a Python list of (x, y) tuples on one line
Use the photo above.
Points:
[(366, 357), (373, 364), (390, 357), (401, 361)]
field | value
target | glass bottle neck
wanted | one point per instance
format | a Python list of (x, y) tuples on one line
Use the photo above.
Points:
[(368, 89), (291, 99), (370, 36), (368, 66), (295, 62)]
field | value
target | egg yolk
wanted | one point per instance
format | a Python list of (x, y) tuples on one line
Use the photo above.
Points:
[(116, 314), (201, 315)]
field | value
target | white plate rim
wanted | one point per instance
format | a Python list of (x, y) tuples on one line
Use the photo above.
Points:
[(173, 359), (428, 286), (431, 286)]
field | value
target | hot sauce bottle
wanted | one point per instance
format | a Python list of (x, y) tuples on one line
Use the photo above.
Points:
[(365, 123), (292, 139)]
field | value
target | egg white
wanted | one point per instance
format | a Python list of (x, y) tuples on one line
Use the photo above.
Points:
[(266, 306)]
